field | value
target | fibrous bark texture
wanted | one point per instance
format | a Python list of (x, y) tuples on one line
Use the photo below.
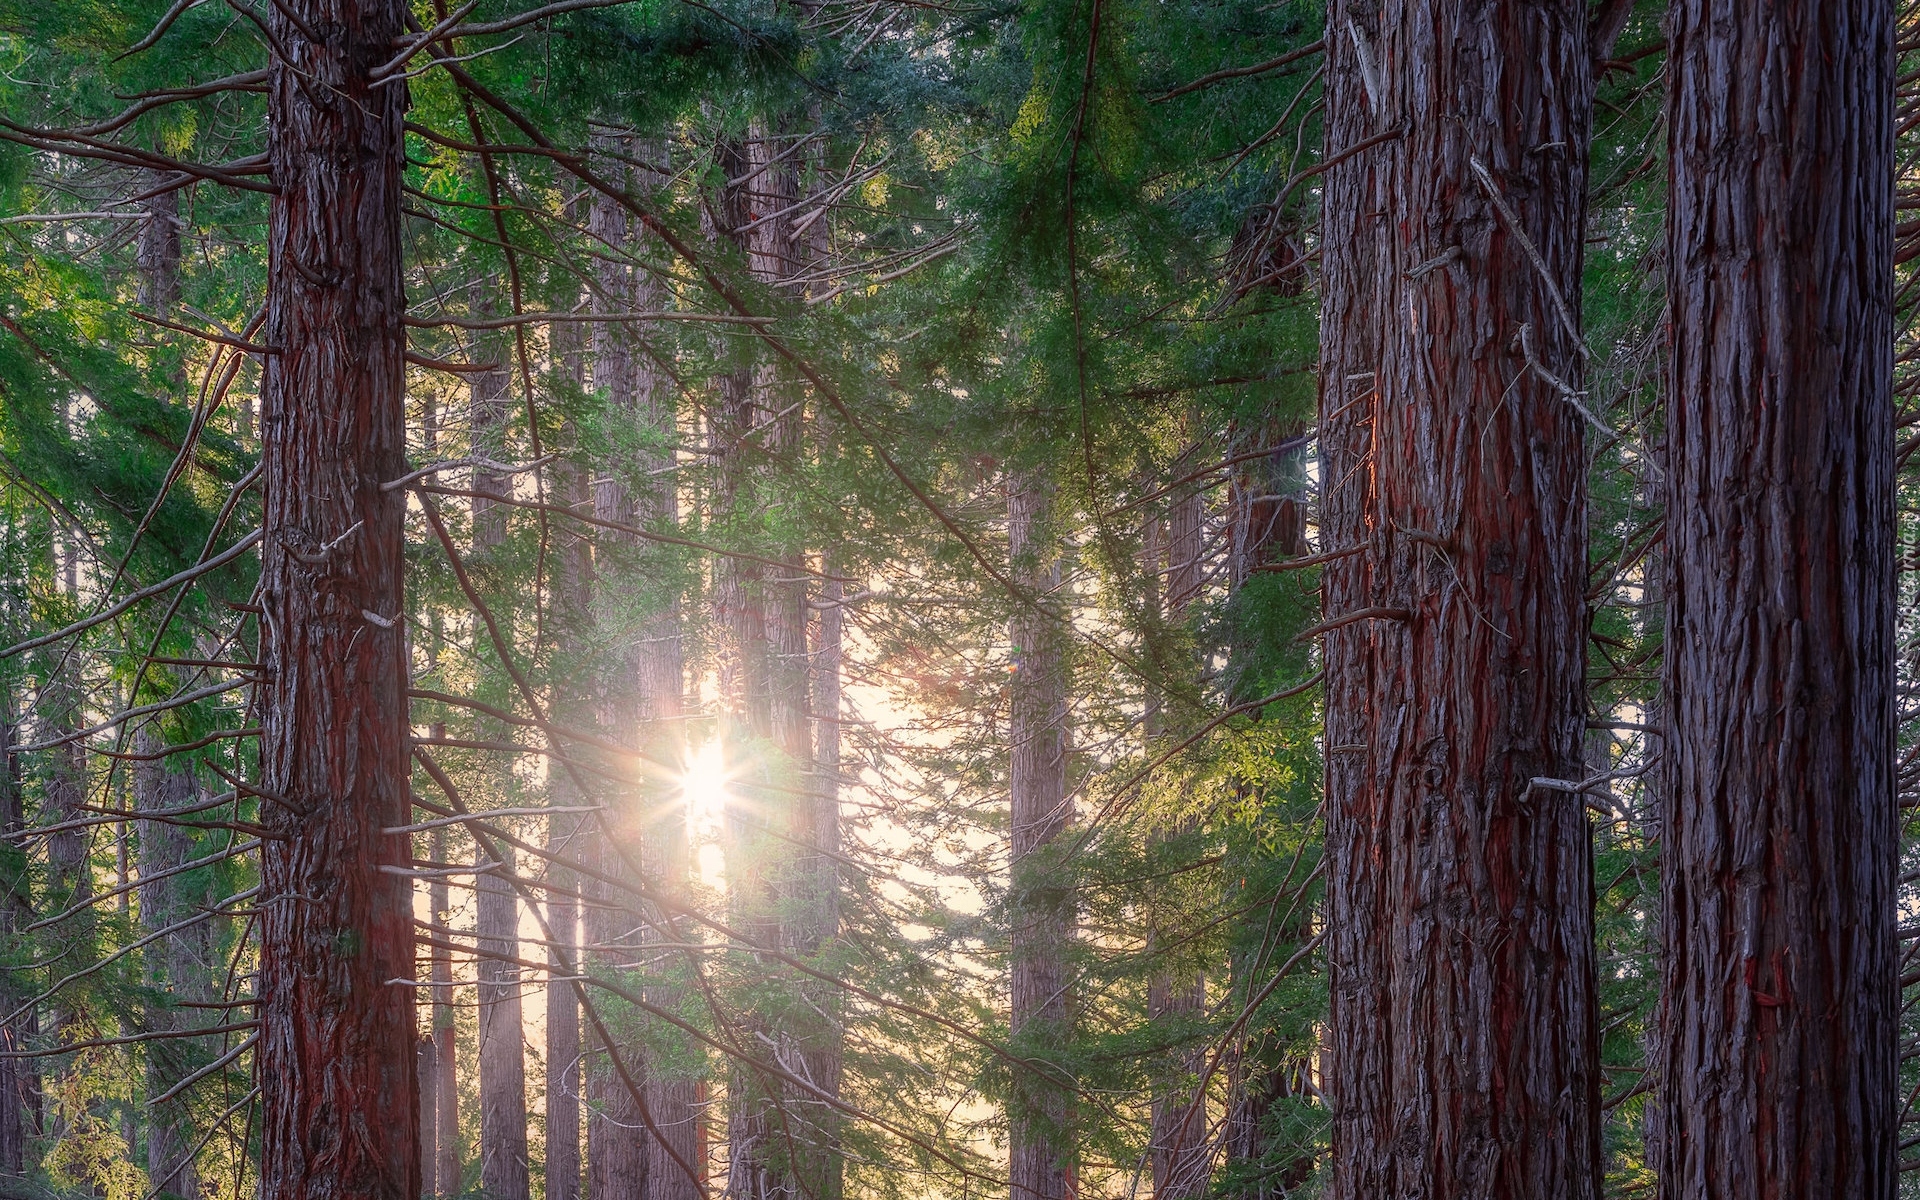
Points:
[(1779, 852), (336, 1037), (1462, 1026), (1041, 1153)]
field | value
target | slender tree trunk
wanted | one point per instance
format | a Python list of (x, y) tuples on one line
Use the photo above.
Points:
[(19, 1083), (567, 834), (1779, 853), (1177, 997), (446, 1047), (504, 1172), (617, 1139), (1463, 1022), (1042, 1156), (672, 1087), (179, 967), (336, 1038)]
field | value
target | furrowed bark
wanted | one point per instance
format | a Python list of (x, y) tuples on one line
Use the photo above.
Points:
[(1042, 1155), (1780, 1005), (1463, 1028), (336, 1040)]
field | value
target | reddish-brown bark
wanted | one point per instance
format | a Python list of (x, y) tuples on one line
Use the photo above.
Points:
[(1779, 850), (336, 1050), (1462, 1026), (1042, 1154)]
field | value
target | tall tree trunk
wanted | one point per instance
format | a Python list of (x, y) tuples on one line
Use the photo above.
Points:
[(617, 1141), (1042, 1157), (756, 692), (446, 1048), (1177, 997), (19, 1082), (567, 834), (1779, 853), (336, 1038), (504, 1172), (672, 1088), (178, 968), (1462, 1025)]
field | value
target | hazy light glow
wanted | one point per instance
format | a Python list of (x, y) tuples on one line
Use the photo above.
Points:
[(706, 789)]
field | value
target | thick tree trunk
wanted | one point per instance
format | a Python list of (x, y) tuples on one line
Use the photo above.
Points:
[(336, 1038), (1041, 1151), (180, 967), (1780, 840), (1463, 1026)]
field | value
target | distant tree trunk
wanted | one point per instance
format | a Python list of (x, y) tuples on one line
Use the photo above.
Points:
[(427, 1069), (504, 1172), (19, 1082), (672, 1089), (1178, 997), (1780, 1005), (1463, 1024), (755, 684), (446, 1049), (180, 967), (567, 834), (1042, 1156), (336, 1039), (617, 1140)]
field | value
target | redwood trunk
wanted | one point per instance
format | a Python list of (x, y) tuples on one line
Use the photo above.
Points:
[(1462, 1025), (1778, 861), (617, 1141), (336, 1038), (1041, 1153)]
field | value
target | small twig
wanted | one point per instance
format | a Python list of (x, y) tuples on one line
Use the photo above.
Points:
[(1359, 614), (1533, 252)]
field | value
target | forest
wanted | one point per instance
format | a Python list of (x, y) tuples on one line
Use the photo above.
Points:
[(959, 599)]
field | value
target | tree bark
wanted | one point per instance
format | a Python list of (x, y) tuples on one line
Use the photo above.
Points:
[(19, 1082), (1463, 1025), (180, 967), (1780, 1004), (617, 1139), (1177, 997), (336, 1039), (1041, 1152), (446, 1048)]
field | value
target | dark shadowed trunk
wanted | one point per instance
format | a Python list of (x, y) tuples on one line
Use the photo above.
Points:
[(1463, 1026), (1779, 854), (19, 1082), (337, 1039), (1040, 903)]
